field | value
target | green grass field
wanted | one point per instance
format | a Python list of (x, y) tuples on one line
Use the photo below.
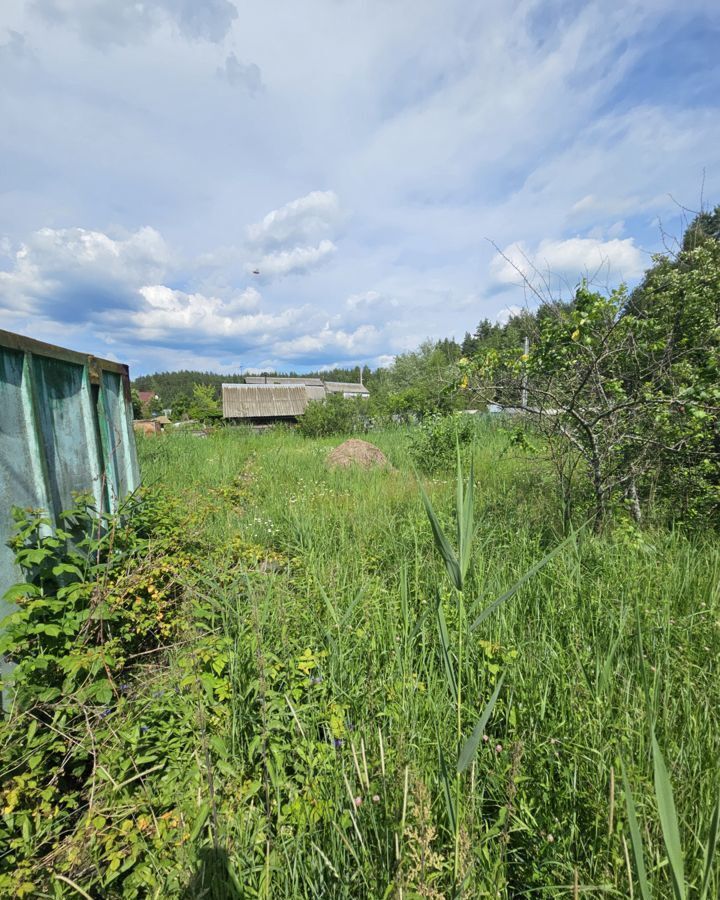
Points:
[(328, 735)]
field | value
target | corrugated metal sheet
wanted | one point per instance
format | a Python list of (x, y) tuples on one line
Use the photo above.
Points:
[(283, 379), (346, 387), (65, 426), (260, 401), (314, 387)]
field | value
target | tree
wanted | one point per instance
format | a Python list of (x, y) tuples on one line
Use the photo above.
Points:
[(203, 405), (137, 406), (626, 388), (181, 406), (422, 382)]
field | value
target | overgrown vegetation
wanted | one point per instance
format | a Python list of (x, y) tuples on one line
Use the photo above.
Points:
[(282, 694), (334, 415), (499, 678), (625, 388)]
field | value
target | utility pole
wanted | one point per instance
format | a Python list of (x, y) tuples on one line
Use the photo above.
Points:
[(523, 401)]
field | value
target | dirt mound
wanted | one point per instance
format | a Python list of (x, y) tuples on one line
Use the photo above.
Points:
[(357, 452)]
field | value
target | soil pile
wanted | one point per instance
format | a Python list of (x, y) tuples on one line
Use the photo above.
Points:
[(357, 452)]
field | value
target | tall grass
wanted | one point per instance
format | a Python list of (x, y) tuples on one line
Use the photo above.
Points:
[(342, 762)]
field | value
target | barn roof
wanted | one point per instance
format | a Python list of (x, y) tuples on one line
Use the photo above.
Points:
[(345, 387), (283, 379), (258, 401)]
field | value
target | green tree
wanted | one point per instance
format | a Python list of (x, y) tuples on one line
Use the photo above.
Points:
[(137, 406), (626, 388), (181, 406), (203, 405)]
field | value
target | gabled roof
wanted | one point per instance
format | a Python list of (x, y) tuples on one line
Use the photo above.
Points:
[(283, 379), (146, 396), (345, 387), (259, 401)]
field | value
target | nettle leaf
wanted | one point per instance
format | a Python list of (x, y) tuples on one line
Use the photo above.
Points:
[(19, 591), (65, 568), (33, 557)]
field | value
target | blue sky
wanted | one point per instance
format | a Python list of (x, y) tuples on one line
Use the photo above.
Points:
[(368, 159)]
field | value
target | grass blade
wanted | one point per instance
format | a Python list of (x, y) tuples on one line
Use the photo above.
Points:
[(445, 650), (465, 514), (710, 849), (467, 754), (635, 838), (668, 820), (533, 570), (447, 789), (442, 543)]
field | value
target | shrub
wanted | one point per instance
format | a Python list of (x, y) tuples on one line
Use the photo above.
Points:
[(334, 415), (433, 444)]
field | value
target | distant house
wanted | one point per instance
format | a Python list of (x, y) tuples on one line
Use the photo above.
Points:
[(263, 404), (347, 389), (314, 387), (147, 397)]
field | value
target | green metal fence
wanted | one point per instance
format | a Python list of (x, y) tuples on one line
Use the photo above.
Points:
[(65, 426)]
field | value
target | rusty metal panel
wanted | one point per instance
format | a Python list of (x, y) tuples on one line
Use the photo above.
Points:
[(65, 427)]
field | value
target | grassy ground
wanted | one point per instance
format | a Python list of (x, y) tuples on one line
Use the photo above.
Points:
[(328, 735)]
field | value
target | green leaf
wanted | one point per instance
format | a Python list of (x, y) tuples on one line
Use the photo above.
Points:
[(465, 513), (635, 838), (467, 754), (489, 610), (64, 568), (18, 591), (200, 820), (447, 789), (442, 543), (668, 821), (445, 651), (710, 850)]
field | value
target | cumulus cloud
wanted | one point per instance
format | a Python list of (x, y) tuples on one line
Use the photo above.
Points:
[(168, 315), (241, 75), (71, 273), (295, 237), (302, 221), (103, 23), (286, 262), (431, 135), (79, 279), (568, 259), (331, 343), (369, 300)]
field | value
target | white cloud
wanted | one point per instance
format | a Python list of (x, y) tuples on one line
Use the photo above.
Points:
[(568, 260), (286, 262), (504, 316), (107, 22), (328, 343), (168, 315), (71, 271), (301, 221), (370, 300), (553, 127)]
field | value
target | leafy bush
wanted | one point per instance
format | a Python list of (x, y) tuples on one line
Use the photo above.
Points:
[(100, 599), (433, 444), (334, 415)]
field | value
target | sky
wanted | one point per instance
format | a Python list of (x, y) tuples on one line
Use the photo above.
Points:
[(234, 186)]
